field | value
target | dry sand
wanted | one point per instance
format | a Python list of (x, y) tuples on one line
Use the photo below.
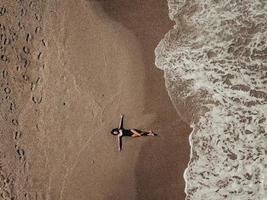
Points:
[(97, 62)]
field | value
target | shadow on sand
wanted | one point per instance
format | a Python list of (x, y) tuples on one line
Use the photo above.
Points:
[(162, 160)]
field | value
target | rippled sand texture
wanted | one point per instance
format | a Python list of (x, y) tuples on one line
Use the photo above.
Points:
[(37, 148), (217, 57), (22, 47)]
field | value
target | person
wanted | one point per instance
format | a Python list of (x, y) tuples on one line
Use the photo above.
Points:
[(121, 132)]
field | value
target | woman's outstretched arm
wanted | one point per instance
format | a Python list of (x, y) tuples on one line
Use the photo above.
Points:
[(121, 122), (120, 142)]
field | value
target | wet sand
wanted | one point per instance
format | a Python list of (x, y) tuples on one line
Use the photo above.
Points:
[(100, 63)]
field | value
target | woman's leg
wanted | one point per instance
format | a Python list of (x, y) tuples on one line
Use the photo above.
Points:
[(138, 133), (150, 133)]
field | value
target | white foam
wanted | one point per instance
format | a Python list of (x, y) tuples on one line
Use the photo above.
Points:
[(217, 55)]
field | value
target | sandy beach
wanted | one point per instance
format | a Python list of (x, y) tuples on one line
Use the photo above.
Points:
[(97, 62), (69, 69)]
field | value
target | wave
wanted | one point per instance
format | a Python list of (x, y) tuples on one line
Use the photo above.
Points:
[(215, 66)]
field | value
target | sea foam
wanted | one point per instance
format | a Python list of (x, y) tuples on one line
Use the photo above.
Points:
[(215, 66)]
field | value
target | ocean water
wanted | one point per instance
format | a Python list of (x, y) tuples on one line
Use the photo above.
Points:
[(215, 66)]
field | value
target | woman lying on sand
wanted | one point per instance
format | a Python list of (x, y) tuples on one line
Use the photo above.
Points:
[(120, 132)]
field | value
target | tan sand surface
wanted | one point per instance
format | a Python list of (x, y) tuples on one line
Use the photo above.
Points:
[(98, 62)]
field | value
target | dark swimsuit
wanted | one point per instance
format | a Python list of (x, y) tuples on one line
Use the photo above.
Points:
[(128, 132)]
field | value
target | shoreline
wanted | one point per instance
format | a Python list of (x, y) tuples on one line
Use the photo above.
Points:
[(149, 44)]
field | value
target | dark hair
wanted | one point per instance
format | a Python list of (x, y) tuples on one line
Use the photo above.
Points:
[(115, 130)]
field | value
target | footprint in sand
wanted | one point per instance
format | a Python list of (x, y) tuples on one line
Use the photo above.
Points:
[(15, 122), (6, 41), (39, 56), (3, 11), (36, 99), (37, 30), (4, 58), (28, 37), (20, 152), (26, 63), (12, 107), (31, 4), (37, 17), (26, 50), (17, 135), (23, 12), (2, 27), (5, 73), (25, 77), (21, 26), (33, 86), (44, 42), (7, 90)]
